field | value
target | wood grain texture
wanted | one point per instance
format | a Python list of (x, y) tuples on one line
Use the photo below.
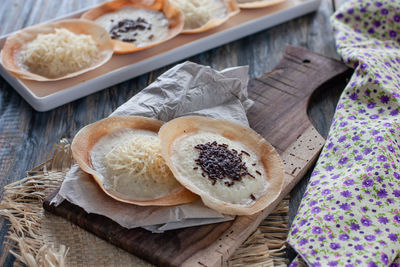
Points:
[(26, 136), (283, 121)]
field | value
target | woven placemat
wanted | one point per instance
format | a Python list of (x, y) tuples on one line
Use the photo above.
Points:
[(38, 238)]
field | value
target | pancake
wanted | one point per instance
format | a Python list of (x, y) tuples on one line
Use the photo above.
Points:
[(233, 169), (204, 15), (123, 155), (137, 25), (72, 46)]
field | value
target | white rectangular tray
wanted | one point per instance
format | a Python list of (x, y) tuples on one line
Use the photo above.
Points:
[(43, 96)]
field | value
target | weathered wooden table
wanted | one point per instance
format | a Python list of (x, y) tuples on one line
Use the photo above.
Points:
[(27, 136)]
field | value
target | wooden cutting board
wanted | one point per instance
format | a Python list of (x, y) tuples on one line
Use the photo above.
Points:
[(279, 114)]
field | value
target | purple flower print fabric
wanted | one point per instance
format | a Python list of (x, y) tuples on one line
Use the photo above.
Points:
[(350, 213)]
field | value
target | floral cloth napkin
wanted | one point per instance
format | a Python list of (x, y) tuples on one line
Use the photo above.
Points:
[(350, 213)]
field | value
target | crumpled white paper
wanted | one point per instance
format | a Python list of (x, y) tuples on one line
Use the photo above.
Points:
[(186, 89), (192, 89)]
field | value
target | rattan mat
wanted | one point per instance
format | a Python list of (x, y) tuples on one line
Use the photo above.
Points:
[(38, 238)]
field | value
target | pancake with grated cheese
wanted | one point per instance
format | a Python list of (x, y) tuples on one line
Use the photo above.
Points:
[(233, 169), (56, 50), (123, 155), (204, 15)]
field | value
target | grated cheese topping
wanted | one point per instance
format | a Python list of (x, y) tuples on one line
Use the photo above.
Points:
[(56, 54), (199, 12), (140, 157), (132, 164)]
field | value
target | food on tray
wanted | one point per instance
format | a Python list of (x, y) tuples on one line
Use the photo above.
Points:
[(57, 50), (137, 25), (56, 54), (258, 3), (202, 15), (232, 168), (132, 161), (123, 155)]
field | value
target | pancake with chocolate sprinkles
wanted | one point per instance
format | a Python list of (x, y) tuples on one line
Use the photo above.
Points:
[(137, 25), (232, 168)]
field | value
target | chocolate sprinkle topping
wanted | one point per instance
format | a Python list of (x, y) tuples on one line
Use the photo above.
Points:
[(228, 183), (217, 161), (244, 152), (129, 25), (130, 40)]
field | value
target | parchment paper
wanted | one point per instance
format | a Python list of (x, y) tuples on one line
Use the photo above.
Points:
[(186, 89)]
